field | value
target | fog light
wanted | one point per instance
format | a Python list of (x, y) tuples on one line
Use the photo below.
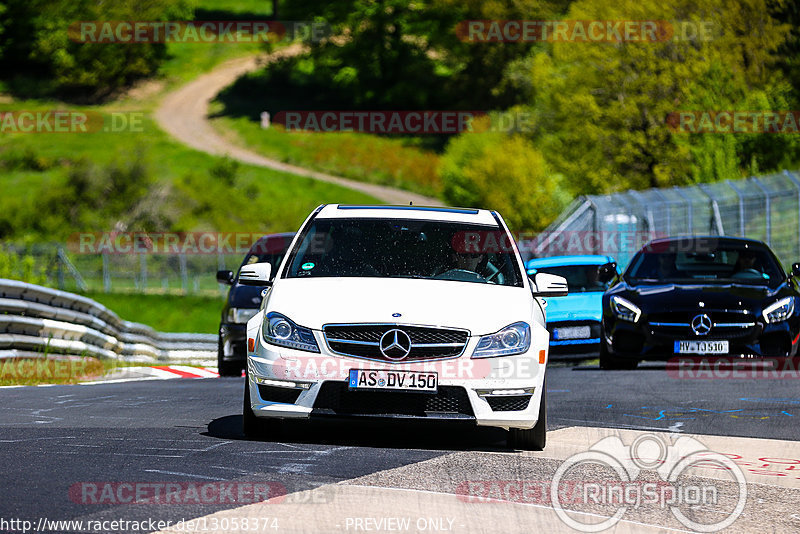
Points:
[(504, 392), (282, 383)]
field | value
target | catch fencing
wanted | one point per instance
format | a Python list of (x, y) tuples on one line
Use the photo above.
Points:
[(766, 208), (37, 321)]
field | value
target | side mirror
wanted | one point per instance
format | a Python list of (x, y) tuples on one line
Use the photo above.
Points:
[(550, 285), (607, 272), (225, 277), (796, 269), (256, 274)]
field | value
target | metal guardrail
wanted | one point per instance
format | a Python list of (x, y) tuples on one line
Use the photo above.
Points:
[(39, 320)]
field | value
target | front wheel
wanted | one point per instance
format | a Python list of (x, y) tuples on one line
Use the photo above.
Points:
[(226, 368), (609, 362), (531, 439)]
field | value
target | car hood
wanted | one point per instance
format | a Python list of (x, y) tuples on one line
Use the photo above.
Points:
[(713, 296), (480, 308), (576, 307)]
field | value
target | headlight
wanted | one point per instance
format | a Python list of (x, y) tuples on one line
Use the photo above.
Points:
[(625, 309), (279, 330), (779, 311), (240, 315), (513, 339)]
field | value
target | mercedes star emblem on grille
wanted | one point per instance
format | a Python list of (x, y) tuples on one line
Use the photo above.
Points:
[(395, 344), (701, 324)]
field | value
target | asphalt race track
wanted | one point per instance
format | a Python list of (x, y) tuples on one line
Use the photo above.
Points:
[(64, 446)]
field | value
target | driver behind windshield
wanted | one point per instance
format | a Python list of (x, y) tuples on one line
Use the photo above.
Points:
[(467, 261)]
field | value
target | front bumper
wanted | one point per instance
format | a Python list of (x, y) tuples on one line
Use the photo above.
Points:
[(500, 392), (233, 341), (644, 341), (574, 346)]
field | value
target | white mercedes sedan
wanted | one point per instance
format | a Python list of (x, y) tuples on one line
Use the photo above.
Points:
[(400, 312)]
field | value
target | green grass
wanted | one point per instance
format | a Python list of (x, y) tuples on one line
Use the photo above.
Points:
[(166, 313), (185, 194), (368, 158)]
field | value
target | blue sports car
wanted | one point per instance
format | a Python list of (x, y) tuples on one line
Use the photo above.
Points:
[(574, 320)]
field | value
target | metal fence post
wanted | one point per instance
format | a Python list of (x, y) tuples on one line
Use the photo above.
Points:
[(716, 220), (184, 275), (143, 271), (767, 208), (106, 275)]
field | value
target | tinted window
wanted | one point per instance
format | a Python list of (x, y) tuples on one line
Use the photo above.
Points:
[(728, 262), (399, 248)]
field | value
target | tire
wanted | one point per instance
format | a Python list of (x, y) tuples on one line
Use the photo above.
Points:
[(255, 427), (610, 363), (531, 439), (226, 368)]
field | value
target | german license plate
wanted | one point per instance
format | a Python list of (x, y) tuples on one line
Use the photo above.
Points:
[(364, 379), (572, 332), (701, 347)]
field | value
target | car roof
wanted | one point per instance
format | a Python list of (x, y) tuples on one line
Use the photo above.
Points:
[(578, 259), (266, 243), (469, 215)]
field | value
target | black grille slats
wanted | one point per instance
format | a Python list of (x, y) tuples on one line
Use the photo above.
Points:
[(427, 343), (509, 403), (335, 398), (726, 324)]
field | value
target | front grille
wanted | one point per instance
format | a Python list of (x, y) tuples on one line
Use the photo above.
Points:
[(725, 324), (275, 394), (427, 343), (509, 403), (335, 398)]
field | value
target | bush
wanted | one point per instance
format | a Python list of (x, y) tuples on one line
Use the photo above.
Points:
[(20, 267), (504, 173)]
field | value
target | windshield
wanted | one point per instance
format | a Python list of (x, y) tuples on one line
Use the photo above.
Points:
[(745, 264), (580, 278), (400, 248)]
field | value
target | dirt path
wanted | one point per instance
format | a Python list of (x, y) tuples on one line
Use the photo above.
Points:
[(183, 112)]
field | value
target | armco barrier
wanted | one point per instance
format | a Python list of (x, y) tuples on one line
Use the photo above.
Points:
[(39, 320)]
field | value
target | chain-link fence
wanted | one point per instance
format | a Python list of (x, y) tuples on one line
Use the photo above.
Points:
[(55, 266), (765, 208)]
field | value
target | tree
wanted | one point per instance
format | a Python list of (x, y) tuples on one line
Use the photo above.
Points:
[(503, 172), (603, 106), (39, 58)]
